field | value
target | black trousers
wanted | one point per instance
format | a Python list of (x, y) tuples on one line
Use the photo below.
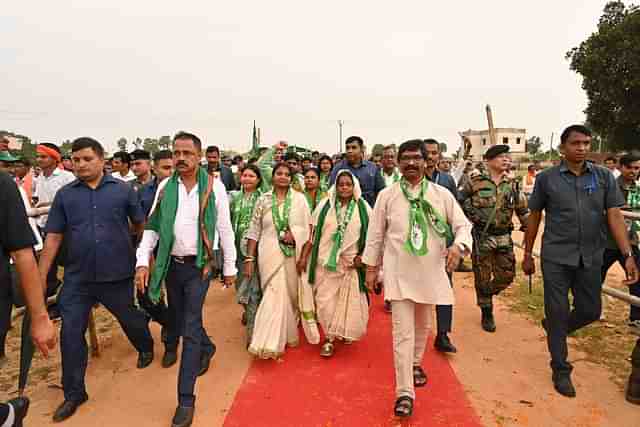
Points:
[(6, 302), (4, 412), (186, 292), (586, 286), (444, 314), (610, 257), (76, 301)]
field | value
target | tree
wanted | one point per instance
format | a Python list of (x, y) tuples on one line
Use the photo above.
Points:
[(533, 145), (609, 62), (66, 148), (443, 147), (150, 145), (377, 149), (137, 143), (164, 143), (122, 144)]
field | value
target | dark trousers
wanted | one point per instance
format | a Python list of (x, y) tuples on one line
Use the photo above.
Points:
[(6, 302), (76, 302), (444, 314), (186, 292), (612, 256), (4, 412), (585, 285)]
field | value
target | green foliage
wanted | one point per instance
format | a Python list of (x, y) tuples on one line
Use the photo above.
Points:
[(164, 143), (609, 62), (377, 149), (443, 147), (122, 144), (533, 145)]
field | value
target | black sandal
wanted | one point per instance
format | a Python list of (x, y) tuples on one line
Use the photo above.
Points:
[(403, 407), (419, 377)]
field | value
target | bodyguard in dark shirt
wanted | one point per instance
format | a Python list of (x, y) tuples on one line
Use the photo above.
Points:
[(444, 313), (218, 170), (371, 180), (92, 214), (580, 200)]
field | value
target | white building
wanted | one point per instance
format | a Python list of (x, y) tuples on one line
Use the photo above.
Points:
[(480, 141)]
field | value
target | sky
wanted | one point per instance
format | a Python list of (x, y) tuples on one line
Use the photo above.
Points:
[(391, 71)]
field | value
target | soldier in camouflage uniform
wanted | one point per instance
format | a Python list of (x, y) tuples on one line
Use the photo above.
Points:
[(489, 200)]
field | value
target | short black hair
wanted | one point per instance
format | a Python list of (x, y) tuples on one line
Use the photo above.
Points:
[(431, 141), (354, 138), (52, 146), (325, 157), (86, 142), (412, 145), (25, 161), (574, 128), (315, 153), (186, 135), (122, 155), (613, 159), (213, 149), (238, 158), (290, 155), (163, 154), (389, 147), (629, 158), (255, 170), (281, 165)]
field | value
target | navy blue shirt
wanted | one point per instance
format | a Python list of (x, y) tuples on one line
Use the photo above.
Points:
[(95, 224), (445, 180), (371, 180), (147, 194), (575, 208)]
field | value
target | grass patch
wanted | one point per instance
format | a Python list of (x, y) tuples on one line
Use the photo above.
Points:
[(606, 342)]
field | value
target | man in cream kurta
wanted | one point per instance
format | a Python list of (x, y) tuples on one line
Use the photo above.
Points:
[(411, 296)]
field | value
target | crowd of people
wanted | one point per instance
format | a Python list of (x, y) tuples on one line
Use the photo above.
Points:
[(303, 241)]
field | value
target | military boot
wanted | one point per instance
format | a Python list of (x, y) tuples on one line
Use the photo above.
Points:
[(633, 388), (488, 323)]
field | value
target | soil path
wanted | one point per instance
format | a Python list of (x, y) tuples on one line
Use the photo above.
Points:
[(505, 375)]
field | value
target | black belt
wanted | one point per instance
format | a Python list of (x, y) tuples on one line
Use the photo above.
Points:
[(189, 259)]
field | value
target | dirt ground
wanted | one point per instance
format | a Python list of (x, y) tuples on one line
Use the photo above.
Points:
[(506, 375)]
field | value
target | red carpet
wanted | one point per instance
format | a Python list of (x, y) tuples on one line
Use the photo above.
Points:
[(354, 388)]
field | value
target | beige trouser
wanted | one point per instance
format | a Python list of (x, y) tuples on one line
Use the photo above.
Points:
[(411, 323)]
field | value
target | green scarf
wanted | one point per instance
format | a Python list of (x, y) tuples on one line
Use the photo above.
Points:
[(421, 213), (364, 225), (281, 222), (313, 203), (395, 176), (162, 221), (324, 182), (241, 213)]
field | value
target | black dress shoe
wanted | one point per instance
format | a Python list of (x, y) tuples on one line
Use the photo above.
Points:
[(205, 361), (563, 385), (488, 323), (170, 358), (144, 359), (444, 345), (67, 409), (387, 306), (20, 408), (183, 416), (633, 387)]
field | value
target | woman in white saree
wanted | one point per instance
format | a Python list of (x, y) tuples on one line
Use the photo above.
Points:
[(335, 268), (279, 230)]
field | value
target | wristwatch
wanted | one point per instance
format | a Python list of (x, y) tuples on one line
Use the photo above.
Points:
[(628, 255)]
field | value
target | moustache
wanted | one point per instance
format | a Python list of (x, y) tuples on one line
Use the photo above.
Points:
[(181, 163), (411, 168)]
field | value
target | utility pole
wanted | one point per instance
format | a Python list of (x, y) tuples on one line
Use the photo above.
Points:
[(340, 122), (551, 143)]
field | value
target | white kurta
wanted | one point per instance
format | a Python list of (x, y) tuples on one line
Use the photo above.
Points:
[(422, 279)]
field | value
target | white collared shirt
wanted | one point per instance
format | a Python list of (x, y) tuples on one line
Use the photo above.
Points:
[(46, 188), (128, 177), (186, 227)]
